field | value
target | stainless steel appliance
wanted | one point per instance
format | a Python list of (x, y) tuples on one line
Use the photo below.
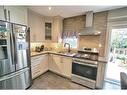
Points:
[(84, 67), (89, 29), (14, 56)]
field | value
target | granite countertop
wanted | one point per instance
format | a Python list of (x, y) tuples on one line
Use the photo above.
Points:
[(100, 59), (52, 52), (38, 53)]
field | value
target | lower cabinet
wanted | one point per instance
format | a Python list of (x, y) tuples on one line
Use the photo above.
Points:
[(39, 65), (67, 66), (61, 65), (56, 63)]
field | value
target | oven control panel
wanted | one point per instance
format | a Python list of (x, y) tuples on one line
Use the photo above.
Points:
[(85, 61)]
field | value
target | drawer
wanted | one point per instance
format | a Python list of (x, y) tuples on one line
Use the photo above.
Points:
[(35, 63), (35, 74), (41, 57), (36, 59), (35, 71)]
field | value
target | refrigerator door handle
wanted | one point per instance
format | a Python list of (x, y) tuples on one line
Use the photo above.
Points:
[(12, 48), (13, 74), (5, 14), (9, 15), (14, 45)]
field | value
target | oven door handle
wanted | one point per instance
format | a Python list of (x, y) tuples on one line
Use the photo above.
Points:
[(86, 64)]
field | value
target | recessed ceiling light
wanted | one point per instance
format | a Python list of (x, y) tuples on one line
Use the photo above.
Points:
[(49, 8)]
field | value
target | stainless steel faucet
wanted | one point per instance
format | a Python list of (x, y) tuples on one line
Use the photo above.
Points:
[(68, 46)]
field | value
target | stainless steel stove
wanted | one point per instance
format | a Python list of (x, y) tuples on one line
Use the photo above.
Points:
[(84, 67)]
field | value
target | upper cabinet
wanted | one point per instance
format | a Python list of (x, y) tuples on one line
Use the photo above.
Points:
[(18, 14), (2, 17), (54, 29), (43, 28), (15, 14), (57, 28), (37, 27), (48, 31), (48, 28)]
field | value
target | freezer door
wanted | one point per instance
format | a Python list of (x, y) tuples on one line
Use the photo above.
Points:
[(6, 64), (16, 80), (21, 46)]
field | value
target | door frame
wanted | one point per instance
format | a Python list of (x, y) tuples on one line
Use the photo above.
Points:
[(112, 23), (110, 26)]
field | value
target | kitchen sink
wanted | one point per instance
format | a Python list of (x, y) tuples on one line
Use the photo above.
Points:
[(66, 53)]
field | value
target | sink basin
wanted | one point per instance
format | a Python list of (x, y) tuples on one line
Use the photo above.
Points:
[(62, 52), (66, 53)]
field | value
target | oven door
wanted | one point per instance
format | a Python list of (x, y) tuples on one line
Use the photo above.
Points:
[(84, 70)]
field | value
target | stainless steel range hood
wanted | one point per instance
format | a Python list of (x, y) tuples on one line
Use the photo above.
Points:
[(89, 30)]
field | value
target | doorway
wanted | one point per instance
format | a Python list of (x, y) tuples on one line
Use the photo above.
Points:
[(118, 54)]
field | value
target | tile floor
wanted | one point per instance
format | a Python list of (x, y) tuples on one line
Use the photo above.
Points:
[(51, 81)]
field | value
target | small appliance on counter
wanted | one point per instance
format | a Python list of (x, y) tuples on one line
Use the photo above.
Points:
[(39, 48)]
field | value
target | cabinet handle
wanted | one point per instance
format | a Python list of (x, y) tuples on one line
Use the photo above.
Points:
[(9, 15), (5, 14)]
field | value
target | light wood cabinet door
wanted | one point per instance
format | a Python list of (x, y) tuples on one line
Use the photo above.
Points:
[(39, 65), (61, 65), (14, 14), (67, 66), (18, 14), (56, 65), (57, 28), (35, 66), (44, 63), (2, 13), (37, 27)]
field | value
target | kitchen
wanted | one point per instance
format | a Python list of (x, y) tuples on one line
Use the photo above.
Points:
[(64, 49)]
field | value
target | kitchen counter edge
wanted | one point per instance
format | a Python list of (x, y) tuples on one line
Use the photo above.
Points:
[(33, 54)]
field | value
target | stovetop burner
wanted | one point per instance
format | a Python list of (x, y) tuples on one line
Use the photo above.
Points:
[(88, 54)]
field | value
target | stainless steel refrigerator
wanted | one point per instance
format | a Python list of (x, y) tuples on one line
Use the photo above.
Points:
[(15, 68)]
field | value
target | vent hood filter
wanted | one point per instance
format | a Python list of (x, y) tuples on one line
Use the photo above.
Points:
[(89, 30)]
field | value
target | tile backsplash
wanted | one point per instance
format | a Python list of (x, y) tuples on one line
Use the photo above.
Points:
[(89, 41), (47, 46)]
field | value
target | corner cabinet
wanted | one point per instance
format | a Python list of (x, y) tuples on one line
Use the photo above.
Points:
[(15, 14), (39, 65), (61, 65), (55, 64)]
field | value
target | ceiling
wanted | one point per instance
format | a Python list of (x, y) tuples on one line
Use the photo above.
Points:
[(69, 11)]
